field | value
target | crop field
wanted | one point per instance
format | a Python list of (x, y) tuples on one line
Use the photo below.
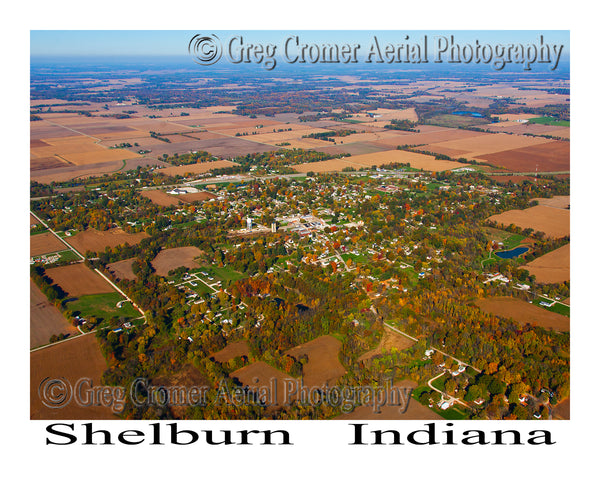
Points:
[(161, 198), (553, 156), (390, 341), (554, 222), (79, 280), (122, 269), (477, 146), (172, 258), (357, 148), (196, 168), (71, 360), (558, 201), (427, 134), (96, 241), (45, 319), (524, 313), (231, 351), (196, 197), (261, 374), (416, 160), (323, 366), (44, 243), (553, 267)]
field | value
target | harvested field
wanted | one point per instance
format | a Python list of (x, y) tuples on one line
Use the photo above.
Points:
[(196, 197), (516, 179), (263, 375), (554, 222), (196, 168), (358, 148), (523, 313), (172, 258), (323, 366), (96, 241), (562, 410), (45, 319), (427, 134), (390, 341), (70, 172), (558, 201), (45, 243), (33, 220), (486, 144), (71, 360), (231, 351), (122, 269), (414, 411), (161, 198), (553, 267), (553, 156), (44, 163), (230, 147), (416, 160), (77, 279)]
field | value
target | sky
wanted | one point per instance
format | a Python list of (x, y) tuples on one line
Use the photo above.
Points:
[(169, 42)]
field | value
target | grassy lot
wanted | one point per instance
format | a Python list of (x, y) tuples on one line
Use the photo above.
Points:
[(556, 308), (454, 121), (355, 258), (453, 413), (102, 305), (550, 121), (201, 288), (37, 230)]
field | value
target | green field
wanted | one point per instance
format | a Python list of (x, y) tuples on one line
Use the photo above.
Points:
[(102, 305), (550, 121), (454, 121), (556, 308)]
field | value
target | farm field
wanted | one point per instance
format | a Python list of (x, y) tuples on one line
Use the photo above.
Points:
[(473, 147), (96, 241), (323, 366), (390, 341), (428, 134), (554, 222), (416, 160), (45, 319), (45, 243), (558, 201), (172, 258), (261, 374), (161, 198), (553, 156), (77, 280), (523, 312), (553, 267), (414, 411), (71, 360), (122, 269), (231, 351)]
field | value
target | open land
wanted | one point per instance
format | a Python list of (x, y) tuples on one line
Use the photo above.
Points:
[(323, 366), (553, 267), (77, 279), (172, 258), (553, 222), (231, 351), (523, 312), (45, 243), (390, 341), (122, 269), (96, 241)]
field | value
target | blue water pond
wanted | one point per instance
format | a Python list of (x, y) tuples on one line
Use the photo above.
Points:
[(470, 114), (515, 252)]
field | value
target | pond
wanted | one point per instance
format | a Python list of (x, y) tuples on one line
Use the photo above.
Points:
[(470, 114), (515, 252)]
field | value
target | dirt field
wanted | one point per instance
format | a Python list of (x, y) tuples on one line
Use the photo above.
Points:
[(196, 167), (96, 241), (231, 351), (562, 410), (554, 267), (196, 197), (323, 366), (558, 201), (71, 361), (261, 374), (554, 222), (45, 319), (478, 146), (390, 341), (77, 279), (69, 172), (45, 243), (523, 312), (44, 163), (553, 156), (172, 258), (416, 160), (415, 410), (122, 269), (161, 198), (188, 376)]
